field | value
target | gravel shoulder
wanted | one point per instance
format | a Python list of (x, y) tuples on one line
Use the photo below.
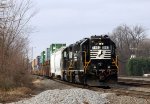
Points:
[(47, 91), (67, 96), (112, 98)]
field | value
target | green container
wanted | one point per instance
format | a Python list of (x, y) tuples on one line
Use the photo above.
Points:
[(54, 47), (43, 57)]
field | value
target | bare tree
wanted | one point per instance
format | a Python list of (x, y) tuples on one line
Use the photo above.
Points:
[(144, 49), (128, 40), (14, 16)]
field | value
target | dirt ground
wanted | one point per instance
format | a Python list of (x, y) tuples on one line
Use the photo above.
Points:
[(43, 84), (40, 84)]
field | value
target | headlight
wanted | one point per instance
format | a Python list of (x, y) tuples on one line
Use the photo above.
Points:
[(94, 67), (101, 43)]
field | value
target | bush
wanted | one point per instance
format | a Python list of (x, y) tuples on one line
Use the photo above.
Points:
[(138, 66), (15, 74)]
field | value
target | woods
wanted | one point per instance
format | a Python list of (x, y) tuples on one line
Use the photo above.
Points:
[(14, 60), (131, 42)]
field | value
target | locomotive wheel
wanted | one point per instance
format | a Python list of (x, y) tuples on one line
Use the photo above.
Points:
[(64, 77), (73, 77), (85, 79), (53, 75)]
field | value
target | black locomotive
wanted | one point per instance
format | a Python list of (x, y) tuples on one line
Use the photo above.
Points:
[(91, 61)]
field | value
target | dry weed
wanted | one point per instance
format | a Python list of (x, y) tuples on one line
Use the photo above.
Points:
[(14, 94)]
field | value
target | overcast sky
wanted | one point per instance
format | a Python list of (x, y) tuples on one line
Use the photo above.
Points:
[(68, 21)]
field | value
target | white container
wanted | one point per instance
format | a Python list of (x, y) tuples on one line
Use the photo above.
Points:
[(52, 68), (55, 63)]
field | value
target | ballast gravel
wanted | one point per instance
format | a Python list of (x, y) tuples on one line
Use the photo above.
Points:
[(67, 96), (114, 99)]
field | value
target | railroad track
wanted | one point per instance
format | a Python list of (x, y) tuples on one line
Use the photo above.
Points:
[(144, 82), (122, 88), (132, 89)]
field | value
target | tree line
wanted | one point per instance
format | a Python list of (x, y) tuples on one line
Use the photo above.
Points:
[(131, 42), (14, 42)]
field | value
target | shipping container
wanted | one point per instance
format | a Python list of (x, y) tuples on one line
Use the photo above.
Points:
[(42, 60), (35, 65), (54, 47), (55, 63), (37, 62), (47, 54)]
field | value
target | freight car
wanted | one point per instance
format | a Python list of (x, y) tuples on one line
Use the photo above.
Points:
[(41, 65), (90, 61)]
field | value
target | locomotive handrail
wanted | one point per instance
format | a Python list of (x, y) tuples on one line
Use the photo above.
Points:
[(86, 63), (70, 66), (115, 61)]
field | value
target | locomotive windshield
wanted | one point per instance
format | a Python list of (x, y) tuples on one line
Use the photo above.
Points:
[(105, 47), (101, 47), (96, 47)]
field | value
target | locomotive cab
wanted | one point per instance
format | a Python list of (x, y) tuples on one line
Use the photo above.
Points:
[(103, 66)]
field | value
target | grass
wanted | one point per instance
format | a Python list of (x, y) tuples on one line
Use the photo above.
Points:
[(14, 94)]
